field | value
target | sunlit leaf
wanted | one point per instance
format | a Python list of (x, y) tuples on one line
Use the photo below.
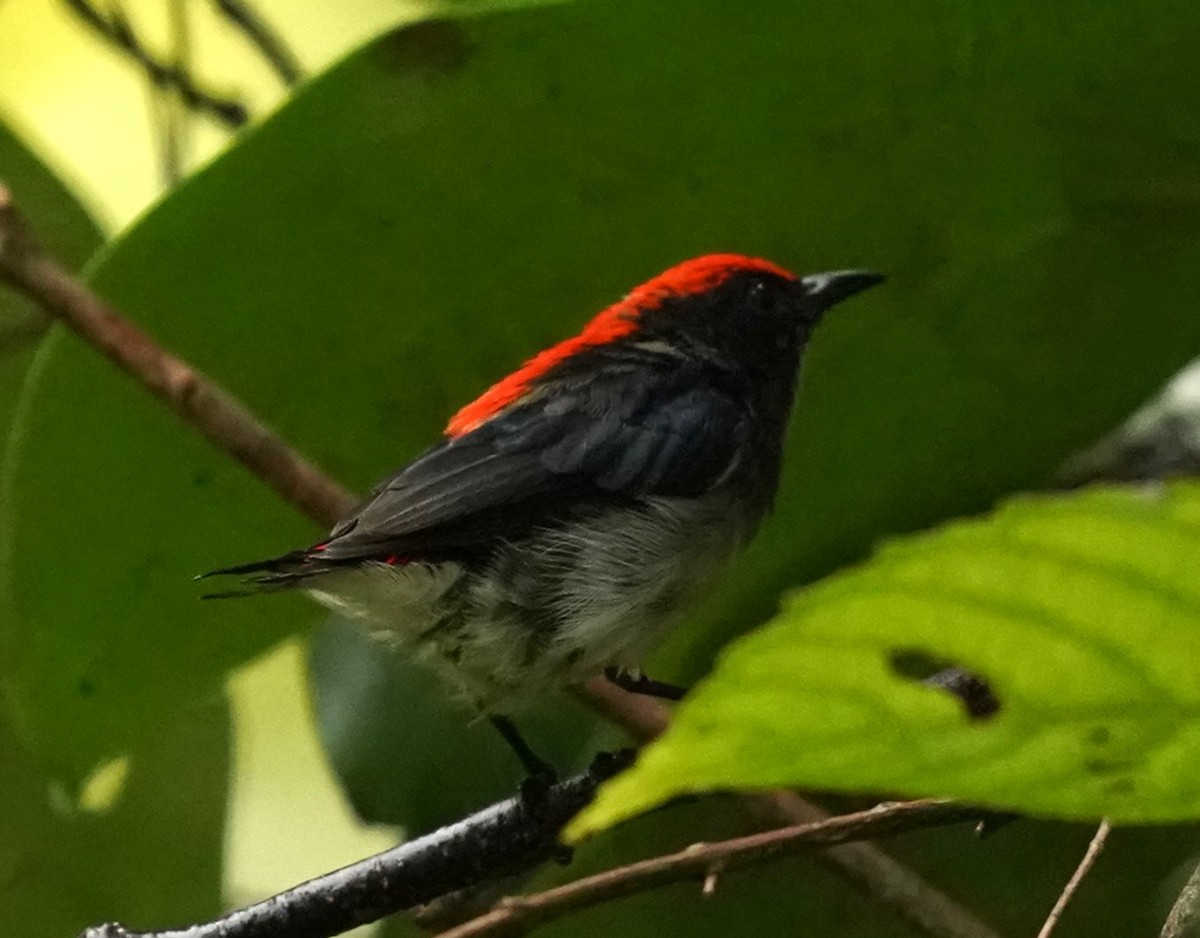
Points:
[(1082, 613)]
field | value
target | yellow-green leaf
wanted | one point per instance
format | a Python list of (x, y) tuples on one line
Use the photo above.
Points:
[(1082, 612)]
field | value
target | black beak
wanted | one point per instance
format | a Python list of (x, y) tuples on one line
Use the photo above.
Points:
[(831, 288)]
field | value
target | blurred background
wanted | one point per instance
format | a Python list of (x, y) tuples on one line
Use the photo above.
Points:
[(420, 195), (90, 113)]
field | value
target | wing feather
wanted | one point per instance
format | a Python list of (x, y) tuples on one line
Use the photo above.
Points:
[(595, 442)]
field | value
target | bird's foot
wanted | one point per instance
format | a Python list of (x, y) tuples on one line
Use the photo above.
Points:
[(536, 787), (637, 683), (607, 764), (540, 773)]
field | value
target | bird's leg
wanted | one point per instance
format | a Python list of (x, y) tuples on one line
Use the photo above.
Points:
[(638, 683), (541, 774), (606, 764)]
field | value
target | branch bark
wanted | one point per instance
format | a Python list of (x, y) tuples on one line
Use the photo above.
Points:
[(516, 834), (194, 397), (1184, 920), (231, 427)]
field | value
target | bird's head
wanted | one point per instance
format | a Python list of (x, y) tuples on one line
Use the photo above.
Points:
[(748, 312), (741, 307)]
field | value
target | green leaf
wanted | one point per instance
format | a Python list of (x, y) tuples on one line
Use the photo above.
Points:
[(68, 232), (145, 850), (166, 797), (1081, 612), (464, 191)]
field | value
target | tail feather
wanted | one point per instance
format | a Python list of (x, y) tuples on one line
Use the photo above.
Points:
[(267, 575), (285, 563), (234, 594)]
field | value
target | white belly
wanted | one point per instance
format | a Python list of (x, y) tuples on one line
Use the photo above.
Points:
[(552, 609)]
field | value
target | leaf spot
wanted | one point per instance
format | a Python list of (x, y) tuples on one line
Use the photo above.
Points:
[(434, 47), (975, 694)]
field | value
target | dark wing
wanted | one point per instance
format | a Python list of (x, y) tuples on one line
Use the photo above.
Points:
[(611, 439)]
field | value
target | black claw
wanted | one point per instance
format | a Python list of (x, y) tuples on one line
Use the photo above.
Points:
[(646, 686), (563, 855), (535, 789), (607, 764)]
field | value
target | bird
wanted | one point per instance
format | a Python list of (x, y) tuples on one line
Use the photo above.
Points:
[(573, 512)]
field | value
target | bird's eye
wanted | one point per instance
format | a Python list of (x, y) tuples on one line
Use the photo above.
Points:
[(761, 298)]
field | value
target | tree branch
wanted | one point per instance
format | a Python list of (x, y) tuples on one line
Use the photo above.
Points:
[(231, 427), (1184, 920), (1085, 865), (270, 46), (117, 30), (520, 914), (866, 867), (876, 874), (513, 835), (196, 399)]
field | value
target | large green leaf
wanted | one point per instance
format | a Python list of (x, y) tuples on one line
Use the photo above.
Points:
[(464, 191), (63, 864), (69, 233), (146, 851), (1081, 612)]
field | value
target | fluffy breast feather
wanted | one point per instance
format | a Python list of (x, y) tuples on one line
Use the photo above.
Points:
[(553, 608)]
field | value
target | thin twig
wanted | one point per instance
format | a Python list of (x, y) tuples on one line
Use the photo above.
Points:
[(165, 121), (271, 46), (865, 866), (1184, 920), (117, 30), (200, 402), (877, 874), (173, 121), (521, 914), (1085, 865), (230, 426)]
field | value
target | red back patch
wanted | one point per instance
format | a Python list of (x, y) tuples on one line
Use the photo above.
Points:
[(690, 277)]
